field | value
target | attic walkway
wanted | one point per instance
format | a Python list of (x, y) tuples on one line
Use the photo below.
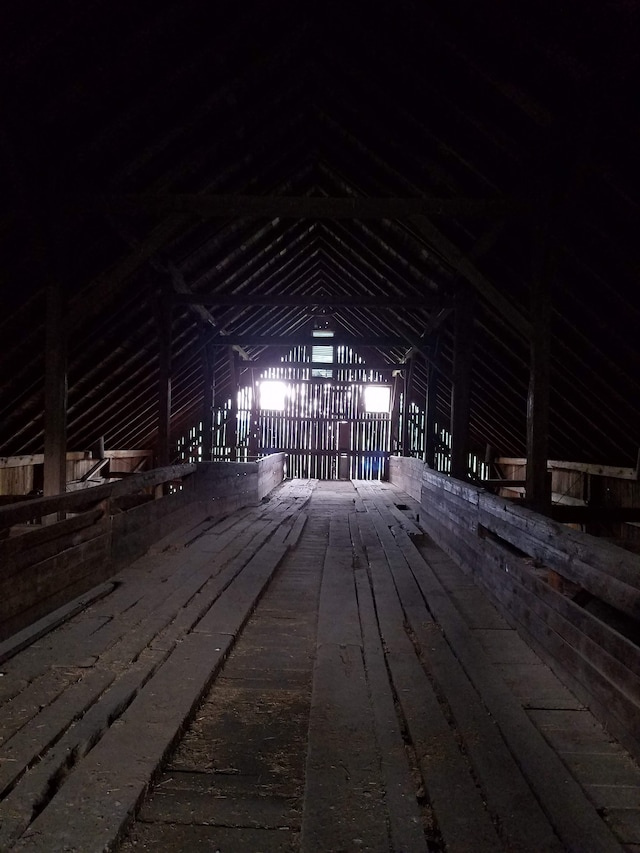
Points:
[(345, 688)]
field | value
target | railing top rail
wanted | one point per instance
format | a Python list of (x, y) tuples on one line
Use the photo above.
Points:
[(24, 511)]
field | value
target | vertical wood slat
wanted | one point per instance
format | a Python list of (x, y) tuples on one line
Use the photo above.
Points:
[(461, 392)]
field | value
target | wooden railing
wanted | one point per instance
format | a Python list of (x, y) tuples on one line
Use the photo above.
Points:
[(89, 535), (548, 579)]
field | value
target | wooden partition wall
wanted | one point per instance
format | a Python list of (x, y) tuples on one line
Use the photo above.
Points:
[(88, 535), (574, 597)]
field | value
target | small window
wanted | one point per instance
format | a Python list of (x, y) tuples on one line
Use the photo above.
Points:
[(272, 395), (322, 353), (377, 398)]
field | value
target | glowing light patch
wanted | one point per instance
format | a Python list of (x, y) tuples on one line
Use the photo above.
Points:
[(272, 395), (377, 398)]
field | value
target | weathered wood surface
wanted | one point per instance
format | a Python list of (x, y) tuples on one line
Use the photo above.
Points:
[(482, 532), (311, 675), (168, 627), (43, 567)]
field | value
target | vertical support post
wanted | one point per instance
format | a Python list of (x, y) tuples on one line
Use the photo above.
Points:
[(254, 423), (488, 459), (430, 438), (164, 379), (232, 421), (538, 491), (395, 415), (461, 391), (406, 433), (208, 394), (55, 395)]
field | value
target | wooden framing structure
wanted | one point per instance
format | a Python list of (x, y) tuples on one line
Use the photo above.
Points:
[(533, 568)]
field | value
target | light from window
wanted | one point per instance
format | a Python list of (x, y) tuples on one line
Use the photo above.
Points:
[(322, 353), (272, 395), (377, 398)]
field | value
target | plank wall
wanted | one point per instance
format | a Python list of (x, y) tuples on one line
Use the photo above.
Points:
[(22, 475), (102, 529), (538, 570), (581, 484)]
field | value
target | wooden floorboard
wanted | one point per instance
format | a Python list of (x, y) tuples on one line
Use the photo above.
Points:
[(312, 674)]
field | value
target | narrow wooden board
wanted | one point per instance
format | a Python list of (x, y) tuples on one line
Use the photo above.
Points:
[(24, 638), (405, 818), (447, 775), (344, 804)]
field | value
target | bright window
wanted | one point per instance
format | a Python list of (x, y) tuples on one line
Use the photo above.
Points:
[(272, 395), (377, 398), (322, 353)]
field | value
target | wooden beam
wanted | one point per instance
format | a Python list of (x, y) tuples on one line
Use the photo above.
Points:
[(593, 514), (430, 438), (298, 207), (183, 294), (254, 422), (371, 364), (311, 301), (232, 414), (461, 391), (305, 339), (395, 413), (88, 498), (408, 376), (208, 355), (583, 467), (501, 483), (164, 380), (55, 394), (538, 482), (103, 289), (467, 269)]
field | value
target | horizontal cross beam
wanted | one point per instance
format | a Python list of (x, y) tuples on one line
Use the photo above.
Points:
[(305, 301), (371, 364), (299, 207), (251, 339)]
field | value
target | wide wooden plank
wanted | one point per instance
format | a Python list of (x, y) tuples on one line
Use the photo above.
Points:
[(563, 800), (522, 824), (17, 642), (99, 798), (405, 820), (447, 776), (344, 803)]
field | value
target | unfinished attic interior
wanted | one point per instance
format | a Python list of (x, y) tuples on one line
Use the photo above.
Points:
[(320, 427)]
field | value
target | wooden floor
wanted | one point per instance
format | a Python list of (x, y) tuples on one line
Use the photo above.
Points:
[(311, 674)]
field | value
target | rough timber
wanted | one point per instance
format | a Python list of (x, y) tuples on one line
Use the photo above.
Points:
[(310, 674)]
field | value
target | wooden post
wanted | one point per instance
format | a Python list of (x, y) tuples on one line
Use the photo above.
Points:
[(538, 491), (55, 395), (430, 439), (232, 420), (395, 415), (208, 395), (408, 376), (461, 391), (488, 459), (254, 418), (164, 380)]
